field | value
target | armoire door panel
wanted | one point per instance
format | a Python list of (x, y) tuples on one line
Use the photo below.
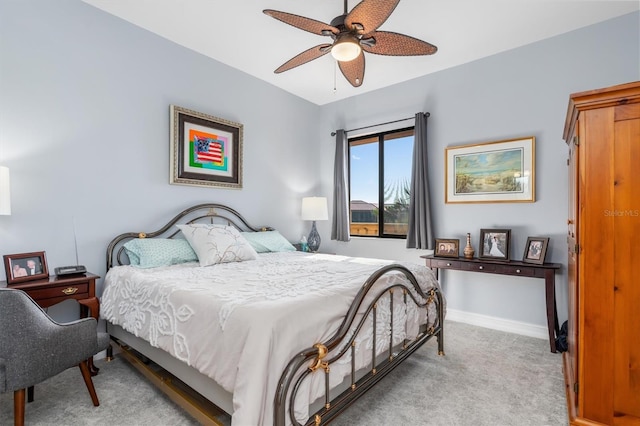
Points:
[(626, 221), (596, 266)]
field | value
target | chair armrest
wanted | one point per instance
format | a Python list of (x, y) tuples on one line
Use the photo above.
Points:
[(50, 351), (78, 339)]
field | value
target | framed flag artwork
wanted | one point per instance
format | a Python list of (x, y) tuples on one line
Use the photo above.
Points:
[(205, 150)]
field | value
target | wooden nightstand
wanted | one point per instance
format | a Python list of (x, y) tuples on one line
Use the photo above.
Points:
[(55, 289)]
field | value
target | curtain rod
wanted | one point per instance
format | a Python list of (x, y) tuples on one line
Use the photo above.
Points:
[(380, 124)]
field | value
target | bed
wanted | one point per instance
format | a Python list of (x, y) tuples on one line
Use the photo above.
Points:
[(282, 337)]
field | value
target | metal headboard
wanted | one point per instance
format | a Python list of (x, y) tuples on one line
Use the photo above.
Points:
[(209, 212)]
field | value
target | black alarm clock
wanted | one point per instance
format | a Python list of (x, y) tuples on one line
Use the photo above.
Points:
[(70, 270)]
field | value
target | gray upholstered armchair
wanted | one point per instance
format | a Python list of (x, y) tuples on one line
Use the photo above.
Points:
[(33, 347)]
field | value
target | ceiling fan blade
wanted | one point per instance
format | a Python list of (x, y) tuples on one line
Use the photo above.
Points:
[(307, 24), (353, 70), (394, 44), (368, 15), (304, 57)]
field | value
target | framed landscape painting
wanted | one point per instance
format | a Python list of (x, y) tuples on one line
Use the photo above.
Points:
[(493, 172), (205, 150)]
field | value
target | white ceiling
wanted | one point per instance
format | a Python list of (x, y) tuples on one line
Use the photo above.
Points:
[(237, 33)]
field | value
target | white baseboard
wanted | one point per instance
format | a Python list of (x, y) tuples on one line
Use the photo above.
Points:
[(510, 326)]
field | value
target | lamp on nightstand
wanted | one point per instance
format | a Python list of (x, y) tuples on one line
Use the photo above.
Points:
[(5, 192), (314, 208)]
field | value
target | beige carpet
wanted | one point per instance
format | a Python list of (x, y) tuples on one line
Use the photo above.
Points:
[(487, 378)]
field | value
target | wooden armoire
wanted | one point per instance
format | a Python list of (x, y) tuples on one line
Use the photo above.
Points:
[(602, 364)]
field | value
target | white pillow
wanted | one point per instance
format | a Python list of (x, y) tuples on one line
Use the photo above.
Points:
[(217, 243)]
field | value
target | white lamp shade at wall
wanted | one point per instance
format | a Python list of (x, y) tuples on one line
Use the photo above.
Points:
[(314, 208), (5, 191)]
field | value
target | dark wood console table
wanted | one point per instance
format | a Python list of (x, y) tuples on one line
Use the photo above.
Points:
[(514, 268)]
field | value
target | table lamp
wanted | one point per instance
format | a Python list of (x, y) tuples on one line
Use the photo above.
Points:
[(314, 208)]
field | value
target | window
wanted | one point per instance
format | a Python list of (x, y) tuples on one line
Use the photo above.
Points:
[(380, 175)]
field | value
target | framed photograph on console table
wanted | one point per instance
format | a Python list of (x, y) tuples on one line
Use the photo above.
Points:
[(494, 243), (536, 250), (25, 267), (447, 248), (492, 172), (205, 150)]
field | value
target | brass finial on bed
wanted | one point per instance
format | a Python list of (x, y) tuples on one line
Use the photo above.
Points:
[(322, 352), (432, 295)]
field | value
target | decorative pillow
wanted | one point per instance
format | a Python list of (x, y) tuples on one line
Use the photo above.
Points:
[(151, 253), (268, 241), (217, 243)]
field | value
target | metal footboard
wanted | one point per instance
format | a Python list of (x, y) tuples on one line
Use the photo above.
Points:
[(344, 340)]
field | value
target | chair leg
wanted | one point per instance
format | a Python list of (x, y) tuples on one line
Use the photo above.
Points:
[(18, 407), (92, 368), (86, 375)]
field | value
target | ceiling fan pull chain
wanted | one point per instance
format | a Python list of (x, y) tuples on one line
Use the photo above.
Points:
[(335, 75)]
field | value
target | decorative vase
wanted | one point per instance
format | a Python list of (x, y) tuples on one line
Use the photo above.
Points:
[(468, 250)]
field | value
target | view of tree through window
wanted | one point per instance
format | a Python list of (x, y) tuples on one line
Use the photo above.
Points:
[(380, 175)]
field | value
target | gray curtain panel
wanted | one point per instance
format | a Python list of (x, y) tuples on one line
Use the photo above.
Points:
[(340, 224), (420, 235)]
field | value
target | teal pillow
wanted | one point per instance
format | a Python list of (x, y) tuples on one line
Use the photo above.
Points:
[(268, 241), (151, 253)]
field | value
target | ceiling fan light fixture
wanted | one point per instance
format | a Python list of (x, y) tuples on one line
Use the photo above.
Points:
[(354, 33), (346, 48)]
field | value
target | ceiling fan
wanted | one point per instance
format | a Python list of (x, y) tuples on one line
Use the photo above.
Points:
[(353, 33)]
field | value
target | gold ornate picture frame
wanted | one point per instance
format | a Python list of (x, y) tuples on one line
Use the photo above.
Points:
[(205, 150)]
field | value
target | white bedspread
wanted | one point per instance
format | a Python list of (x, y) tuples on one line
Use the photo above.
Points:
[(240, 323)]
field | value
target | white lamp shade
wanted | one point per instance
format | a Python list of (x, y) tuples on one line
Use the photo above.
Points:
[(314, 208), (5, 191)]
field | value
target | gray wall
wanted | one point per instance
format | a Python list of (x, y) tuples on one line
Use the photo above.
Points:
[(523, 92), (84, 125), (84, 129)]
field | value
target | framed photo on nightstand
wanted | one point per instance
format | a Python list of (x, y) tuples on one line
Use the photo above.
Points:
[(23, 267)]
